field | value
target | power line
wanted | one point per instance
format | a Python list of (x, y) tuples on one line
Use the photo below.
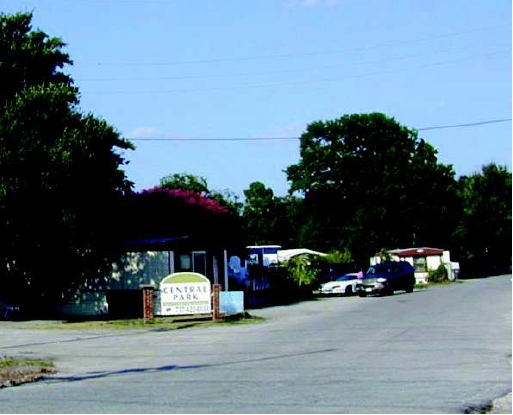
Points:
[(293, 55), (274, 72), (217, 139), (305, 54), (290, 83), (438, 127)]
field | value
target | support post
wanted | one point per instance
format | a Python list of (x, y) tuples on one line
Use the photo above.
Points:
[(216, 315), (148, 305), (225, 269)]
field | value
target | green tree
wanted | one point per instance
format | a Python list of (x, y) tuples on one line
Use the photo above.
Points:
[(185, 181), (370, 182), (259, 214), (60, 175), (482, 240), (228, 199), (29, 57), (339, 258), (270, 219), (287, 220)]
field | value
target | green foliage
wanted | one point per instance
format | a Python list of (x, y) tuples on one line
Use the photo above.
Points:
[(339, 257), (259, 214), (385, 255), (270, 219), (301, 272), (60, 175), (286, 224), (370, 182), (22, 362), (227, 199), (438, 275), (483, 237), (185, 181), (29, 57)]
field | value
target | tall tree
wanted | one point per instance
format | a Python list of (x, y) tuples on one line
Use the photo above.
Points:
[(371, 183), (185, 181), (259, 214), (288, 221), (29, 56), (60, 177), (483, 237)]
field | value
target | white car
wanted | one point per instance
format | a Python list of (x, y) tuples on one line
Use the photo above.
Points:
[(343, 285)]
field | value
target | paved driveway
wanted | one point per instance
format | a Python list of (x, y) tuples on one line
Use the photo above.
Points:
[(432, 351)]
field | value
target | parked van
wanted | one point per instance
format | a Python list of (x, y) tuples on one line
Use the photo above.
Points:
[(387, 277)]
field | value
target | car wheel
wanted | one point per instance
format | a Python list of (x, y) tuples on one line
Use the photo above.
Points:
[(349, 290), (390, 291), (362, 294), (409, 289)]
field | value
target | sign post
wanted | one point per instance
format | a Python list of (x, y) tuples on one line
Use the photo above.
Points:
[(216, 315), (148, 307)]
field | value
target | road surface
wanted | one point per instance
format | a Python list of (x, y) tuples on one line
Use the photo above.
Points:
[(438, 350)]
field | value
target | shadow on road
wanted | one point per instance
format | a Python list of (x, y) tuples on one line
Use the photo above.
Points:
[(170, 368)]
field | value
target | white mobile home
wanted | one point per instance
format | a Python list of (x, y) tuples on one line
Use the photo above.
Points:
[(423, 259)]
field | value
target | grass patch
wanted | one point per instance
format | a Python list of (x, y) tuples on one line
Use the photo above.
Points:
[(17, 370), (434, 284), (15, 362), (245, 318), (160, 323)]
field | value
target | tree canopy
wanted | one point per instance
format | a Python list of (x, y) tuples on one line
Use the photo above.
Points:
[(29, 56), (61, 175), (259, 214), (483, 236), (371, 183), (185, 181)]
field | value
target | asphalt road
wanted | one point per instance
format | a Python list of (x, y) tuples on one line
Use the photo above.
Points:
[(440, 350)]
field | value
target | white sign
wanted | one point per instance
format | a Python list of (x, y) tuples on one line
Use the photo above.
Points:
[(185, 293)]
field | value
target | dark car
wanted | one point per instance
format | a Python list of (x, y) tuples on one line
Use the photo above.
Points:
[(387, 277), (9, 311)]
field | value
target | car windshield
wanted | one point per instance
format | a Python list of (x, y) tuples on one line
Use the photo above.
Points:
[(383, 269), (346, 278)]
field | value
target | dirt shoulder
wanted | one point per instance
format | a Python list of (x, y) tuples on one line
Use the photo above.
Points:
[(18, 370)]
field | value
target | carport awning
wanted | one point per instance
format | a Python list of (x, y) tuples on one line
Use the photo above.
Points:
[(412, 252)]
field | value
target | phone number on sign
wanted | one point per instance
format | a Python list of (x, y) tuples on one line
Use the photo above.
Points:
[(187, 309)]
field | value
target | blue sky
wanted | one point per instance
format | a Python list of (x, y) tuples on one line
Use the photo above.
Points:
[(189, 69)]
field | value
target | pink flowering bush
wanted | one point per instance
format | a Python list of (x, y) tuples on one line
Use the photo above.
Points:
[(157, 212), (189, 197)]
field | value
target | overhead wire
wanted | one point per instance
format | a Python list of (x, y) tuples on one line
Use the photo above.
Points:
[(273, 72), (304, 54), (437, 127), (290, 83), (300, 54)]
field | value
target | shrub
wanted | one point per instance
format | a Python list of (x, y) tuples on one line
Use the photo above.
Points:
[(438, 275), (339, 258), (386, 255), (301, 272)]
